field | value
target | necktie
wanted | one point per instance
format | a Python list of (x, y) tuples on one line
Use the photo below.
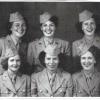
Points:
[(52, 80), (14, 80), (89, 83)]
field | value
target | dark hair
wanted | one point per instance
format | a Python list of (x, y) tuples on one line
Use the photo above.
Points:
[(96, 52), (54, 19), (9, 25), (61, 57), (4, 63)]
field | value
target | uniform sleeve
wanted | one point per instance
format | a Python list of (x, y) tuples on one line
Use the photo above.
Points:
[(74, 86), (33, 86), (74, 51), (69, 87), (67, 50), (1, 45), (28, 86), (30, 54)]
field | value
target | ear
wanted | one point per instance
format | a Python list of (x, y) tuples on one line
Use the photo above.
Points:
[(41, 28), (11, 28), (94, 61)]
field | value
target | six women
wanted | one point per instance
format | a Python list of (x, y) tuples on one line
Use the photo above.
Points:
[(48, 58)]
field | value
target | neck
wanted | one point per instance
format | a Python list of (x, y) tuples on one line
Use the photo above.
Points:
[(89, 37), (48, 38), (12, 73), (52, 72), (89, 72), (15, 37)]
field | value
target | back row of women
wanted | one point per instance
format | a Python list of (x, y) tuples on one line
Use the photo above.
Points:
[(46, 60)]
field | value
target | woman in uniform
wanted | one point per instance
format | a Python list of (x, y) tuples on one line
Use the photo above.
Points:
[(12, 82), (88, 27), (48, 26), (17, 29), (51, 81), (87, 81)]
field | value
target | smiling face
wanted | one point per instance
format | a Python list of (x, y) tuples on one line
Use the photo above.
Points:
[(48, 28), (87, 61), (89, 27), (51, 62), (18, 28), (14, 63)]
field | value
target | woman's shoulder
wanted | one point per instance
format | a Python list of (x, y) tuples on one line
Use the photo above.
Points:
[(78, 41), (76, 75), (66, 75), (37, 74), (61, 40)]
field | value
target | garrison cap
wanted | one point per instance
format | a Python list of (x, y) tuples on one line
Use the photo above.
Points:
[(85, 15)]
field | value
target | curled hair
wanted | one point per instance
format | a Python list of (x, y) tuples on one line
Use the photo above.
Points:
[(53, 19), (95, 52), (9, 25), (4, 63), (61, 57)]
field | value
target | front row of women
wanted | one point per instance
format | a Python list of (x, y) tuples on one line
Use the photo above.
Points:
[(52, 80)]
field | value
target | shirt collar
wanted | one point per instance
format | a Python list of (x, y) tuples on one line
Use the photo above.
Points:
[(89, 74), (14, 40)]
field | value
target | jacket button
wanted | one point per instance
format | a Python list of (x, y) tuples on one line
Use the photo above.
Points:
[(79, 91)]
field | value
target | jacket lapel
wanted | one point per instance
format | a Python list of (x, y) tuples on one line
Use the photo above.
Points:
[(7, 82), (95, 80), (19, 82), (58, 80), (44, 81), (83, 83)]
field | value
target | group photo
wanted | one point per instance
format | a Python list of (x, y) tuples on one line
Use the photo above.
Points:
[(49, 49)]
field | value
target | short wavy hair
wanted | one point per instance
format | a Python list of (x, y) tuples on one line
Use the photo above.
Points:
[(61, 57), (4, 64)]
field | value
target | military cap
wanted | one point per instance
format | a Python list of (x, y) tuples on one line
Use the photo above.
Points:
[(44, 17), (8, 53), (82, 49), (85, 15), (52, 50), (15, 17)]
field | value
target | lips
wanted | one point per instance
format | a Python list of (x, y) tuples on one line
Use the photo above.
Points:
[(87, 64), (89, 30)]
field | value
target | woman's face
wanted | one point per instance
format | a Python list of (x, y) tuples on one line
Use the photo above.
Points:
[(14, 63), (87, 61), (51, 62), (48, 28), (18, 28), (89, 27)]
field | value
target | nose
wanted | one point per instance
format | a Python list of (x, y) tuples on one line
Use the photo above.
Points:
[(86, 60), (48, 27), (89, 25), (15, 62), (51, 61)]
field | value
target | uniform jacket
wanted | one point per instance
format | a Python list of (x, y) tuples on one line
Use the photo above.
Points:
[(21, 89), (81, 88), (37, 46), (82, 42), (40, 85), (7, 42), (75, 51)]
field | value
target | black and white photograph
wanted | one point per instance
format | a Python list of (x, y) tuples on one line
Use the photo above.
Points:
[(49, 49)]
